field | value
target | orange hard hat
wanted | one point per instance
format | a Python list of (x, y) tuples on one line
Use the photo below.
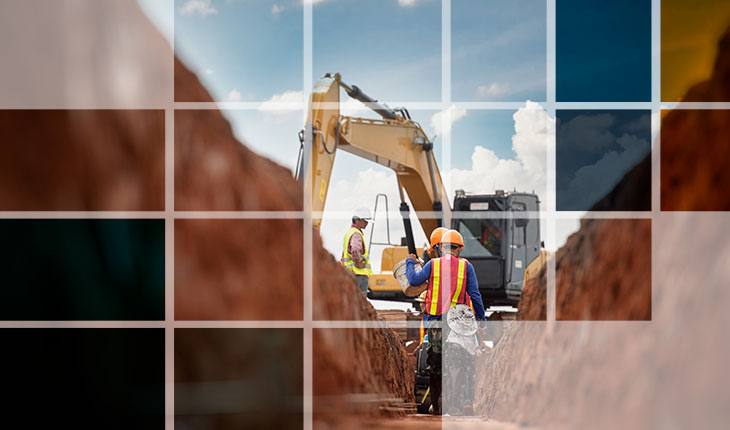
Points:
[(453, 237), (436, 236)]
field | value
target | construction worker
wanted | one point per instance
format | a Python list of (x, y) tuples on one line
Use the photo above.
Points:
[(447, 276), (355, 255)]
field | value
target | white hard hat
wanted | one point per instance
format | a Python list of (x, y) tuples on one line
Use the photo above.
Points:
[(362, 213)]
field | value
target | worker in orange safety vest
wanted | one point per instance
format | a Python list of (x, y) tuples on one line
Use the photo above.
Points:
[(451, 281)]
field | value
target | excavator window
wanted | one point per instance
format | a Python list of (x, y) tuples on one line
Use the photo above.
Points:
[(482, 237)]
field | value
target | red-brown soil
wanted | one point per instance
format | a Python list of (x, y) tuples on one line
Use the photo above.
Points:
[(695, 145), (78, 160), (224, 269), (533, 301), (235, 378), (213, 171), (349, 362), (663, 373), (604, 271)]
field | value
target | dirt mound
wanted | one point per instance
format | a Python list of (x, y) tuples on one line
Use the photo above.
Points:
[(635, 375), (694, 146), (114, 160), (221, 272), (603, 272), (632, 193), (213, 171), (355, 370), (75, 160), (663, 373), (533, 301), (360, 370)]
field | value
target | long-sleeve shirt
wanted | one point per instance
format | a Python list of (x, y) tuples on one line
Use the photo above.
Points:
[(472, 286)]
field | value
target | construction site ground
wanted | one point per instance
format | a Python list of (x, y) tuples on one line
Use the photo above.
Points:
[(418, 422)]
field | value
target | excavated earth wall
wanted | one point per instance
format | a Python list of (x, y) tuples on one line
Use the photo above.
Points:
[(666, 367), (225, 269)]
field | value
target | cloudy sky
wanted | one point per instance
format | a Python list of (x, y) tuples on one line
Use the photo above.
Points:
[(595, 149), (252, 51)]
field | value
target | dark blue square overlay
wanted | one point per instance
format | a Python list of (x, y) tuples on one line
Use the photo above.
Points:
[(83, 378), (82, 269), (603, 51), (603, 160)]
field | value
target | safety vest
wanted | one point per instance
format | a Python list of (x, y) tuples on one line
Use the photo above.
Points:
[(347, 257), (447, 292)]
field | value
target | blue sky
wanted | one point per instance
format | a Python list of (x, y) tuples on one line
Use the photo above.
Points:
[(491, 129), (603, 51), (392, 51), (252, 50), (498, 50), (246, 46)]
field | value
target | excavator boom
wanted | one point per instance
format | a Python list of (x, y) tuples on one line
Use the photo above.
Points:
[(394, 141)]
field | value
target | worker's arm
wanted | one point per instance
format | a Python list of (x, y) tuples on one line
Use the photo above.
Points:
[(417, 278), (472, 289)]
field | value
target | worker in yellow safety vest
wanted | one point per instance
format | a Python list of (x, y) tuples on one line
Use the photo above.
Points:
[(355, 256)]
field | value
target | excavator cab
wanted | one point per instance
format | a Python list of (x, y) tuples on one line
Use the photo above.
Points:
[(500, 241)]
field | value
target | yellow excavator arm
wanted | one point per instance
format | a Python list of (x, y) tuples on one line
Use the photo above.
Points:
[(395, 141)]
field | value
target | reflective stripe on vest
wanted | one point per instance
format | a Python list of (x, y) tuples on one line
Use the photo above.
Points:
[(433, 293), (347, 259), (449, 292), (460, 273)]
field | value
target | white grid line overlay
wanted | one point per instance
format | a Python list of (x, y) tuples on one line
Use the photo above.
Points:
[(419, 105), (551, 224), (308, 324), (169, 269), (307, 226), (656, 76)]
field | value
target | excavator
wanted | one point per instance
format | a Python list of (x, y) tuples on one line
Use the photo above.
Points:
[(500, 238)]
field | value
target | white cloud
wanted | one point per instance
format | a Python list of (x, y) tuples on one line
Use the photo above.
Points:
[(345, 195), (590, 135), (234, 96), (442, 121), (352, 107), (527, 172), (208, 72), (587, 133), (492, 90), (594, 181), (276, 9), (198, 7), (283, 103), (563, 229)]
